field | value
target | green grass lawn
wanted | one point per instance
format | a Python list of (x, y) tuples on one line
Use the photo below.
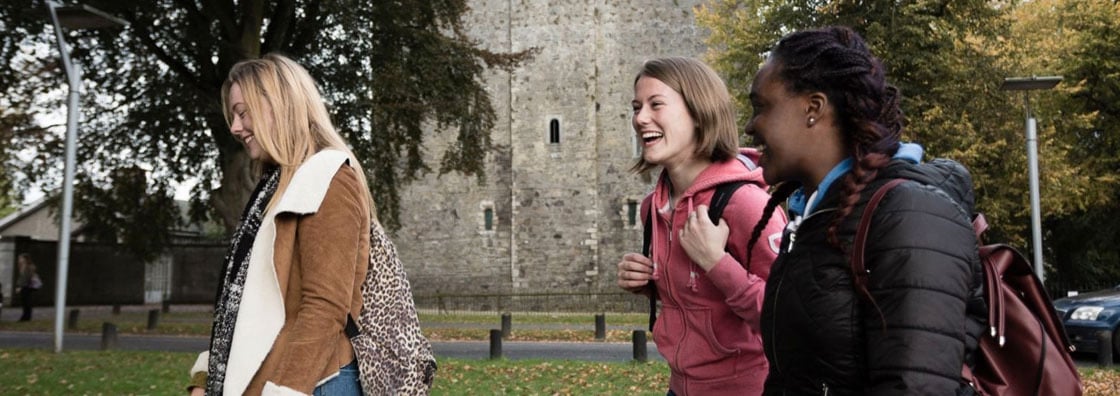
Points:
[(40, 372), (549, 377)]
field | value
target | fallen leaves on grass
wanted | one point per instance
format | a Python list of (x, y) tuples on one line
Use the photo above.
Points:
[(1100, 382), (536, 377)]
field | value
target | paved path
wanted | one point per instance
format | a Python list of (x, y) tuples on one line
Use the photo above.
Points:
[(591, 351)]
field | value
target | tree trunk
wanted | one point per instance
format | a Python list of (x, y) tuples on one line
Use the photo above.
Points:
[(237, 184)]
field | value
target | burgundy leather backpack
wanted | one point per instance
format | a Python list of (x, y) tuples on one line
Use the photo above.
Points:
[(1026, 351)]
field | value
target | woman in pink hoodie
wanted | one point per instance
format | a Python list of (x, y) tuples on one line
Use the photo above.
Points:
[(708, 329)]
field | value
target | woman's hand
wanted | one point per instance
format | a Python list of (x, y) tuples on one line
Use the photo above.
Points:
[(634, 272), (703, 241), (198, 391)]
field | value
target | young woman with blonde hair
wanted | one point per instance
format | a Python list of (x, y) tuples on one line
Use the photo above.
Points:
[(299, 256)]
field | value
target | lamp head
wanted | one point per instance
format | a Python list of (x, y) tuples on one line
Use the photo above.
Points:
[(1029, 83), (82, 16)]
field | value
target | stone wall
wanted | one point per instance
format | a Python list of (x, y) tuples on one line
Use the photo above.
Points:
[(559, 212)]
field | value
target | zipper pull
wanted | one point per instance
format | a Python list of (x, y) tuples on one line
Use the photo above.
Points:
[(656, 275), (791, 232), (692, 280)]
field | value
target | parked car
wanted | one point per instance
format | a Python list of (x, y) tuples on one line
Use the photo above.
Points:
[(1086, 314)]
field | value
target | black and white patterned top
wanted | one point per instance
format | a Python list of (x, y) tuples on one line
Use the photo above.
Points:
[(232, 282)]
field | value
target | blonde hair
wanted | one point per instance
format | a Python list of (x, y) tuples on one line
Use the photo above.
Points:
[(708, 102), (297, 125)]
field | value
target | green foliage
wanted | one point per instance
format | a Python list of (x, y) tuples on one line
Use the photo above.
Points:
[(388, 70), (948, 58), (14, 121), (1078, 40), (129, 211), (7, 204)]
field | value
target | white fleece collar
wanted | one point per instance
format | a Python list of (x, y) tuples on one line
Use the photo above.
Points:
[(308, 186), (261, 314)]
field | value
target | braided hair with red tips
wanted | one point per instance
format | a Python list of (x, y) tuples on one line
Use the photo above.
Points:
[(836, 61)]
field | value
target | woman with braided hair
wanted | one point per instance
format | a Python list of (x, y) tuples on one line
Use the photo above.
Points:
[(829, 125)]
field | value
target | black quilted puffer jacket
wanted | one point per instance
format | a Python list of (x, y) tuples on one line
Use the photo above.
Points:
[(822, 337)]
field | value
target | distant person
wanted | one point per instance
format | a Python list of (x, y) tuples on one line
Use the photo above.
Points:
[(829, 125), (28, 283), (708, 329), (297, 259)]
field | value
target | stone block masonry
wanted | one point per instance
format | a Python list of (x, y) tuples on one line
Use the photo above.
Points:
[(555, 213)]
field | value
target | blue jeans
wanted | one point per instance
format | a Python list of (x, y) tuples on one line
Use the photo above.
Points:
[(346, 383)]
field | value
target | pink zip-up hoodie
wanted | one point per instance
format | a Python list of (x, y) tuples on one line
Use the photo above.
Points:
[(708, 325)]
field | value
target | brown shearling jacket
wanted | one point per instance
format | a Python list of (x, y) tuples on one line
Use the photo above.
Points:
[(306, 268), (321, 261)]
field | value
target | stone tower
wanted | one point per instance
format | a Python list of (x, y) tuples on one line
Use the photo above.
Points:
[(557, 209)]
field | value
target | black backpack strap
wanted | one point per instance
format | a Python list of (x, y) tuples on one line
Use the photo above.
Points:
[(721, 198), (860, 241), (351, 327), (647, 238)]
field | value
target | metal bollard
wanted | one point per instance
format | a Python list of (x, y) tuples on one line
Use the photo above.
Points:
[(600, 327), (73, 323), (495, 344), (506, 324), (108, 336), (1104, 348), (116, 309), (153, 319), (640, 346)]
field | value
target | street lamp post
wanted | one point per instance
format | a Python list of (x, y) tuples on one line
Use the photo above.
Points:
[(72, 17), (1027, 84)]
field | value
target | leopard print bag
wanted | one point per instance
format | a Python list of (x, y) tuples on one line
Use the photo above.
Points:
[(393, 356)]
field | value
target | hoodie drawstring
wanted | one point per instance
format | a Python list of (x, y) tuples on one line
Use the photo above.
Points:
[(691, 265)]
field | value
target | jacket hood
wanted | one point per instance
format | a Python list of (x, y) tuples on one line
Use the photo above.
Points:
[(945, 174)]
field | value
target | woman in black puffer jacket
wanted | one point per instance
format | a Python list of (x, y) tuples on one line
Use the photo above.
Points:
[(829, 126)]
